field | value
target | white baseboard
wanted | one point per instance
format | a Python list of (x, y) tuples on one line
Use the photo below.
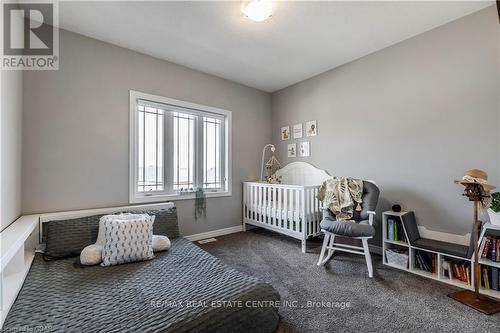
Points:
[(214, 233), (444, 236)]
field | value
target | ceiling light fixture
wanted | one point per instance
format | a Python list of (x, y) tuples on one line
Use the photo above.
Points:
[(257, 10)]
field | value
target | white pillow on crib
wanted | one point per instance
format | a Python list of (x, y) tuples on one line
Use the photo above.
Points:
[(91, 255)]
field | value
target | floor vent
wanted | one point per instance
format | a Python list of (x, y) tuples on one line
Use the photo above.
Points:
[(208, 240)]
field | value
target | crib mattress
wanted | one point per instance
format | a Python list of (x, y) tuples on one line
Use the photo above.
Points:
[(295, 215), (182, 290)]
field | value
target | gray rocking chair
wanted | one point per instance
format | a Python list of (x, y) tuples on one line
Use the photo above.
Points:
[(360, 228)]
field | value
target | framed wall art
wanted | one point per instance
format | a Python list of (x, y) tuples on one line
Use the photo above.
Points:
[(297, 131), (304, 149), (285, 133), (292, 150), (312, 128)]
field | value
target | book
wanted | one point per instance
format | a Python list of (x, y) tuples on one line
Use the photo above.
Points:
[(494, 278), (464, 273), (498, 251), (456, 272), (493, 249), (425, 260), (486, 248), (453, 271), (390, 227), (428, 260), (461, 271), (395, 231), (486, 282), (482, 244), (420, 261)]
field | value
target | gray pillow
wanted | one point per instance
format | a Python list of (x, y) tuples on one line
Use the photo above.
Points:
[(67, 238), (165, 221)]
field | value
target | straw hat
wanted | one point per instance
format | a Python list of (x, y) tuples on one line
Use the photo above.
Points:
[(476, 176)]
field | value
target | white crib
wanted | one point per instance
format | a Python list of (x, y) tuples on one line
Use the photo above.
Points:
[(290, 208)]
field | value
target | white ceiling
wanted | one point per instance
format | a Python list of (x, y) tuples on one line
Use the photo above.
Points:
[(302, 39)]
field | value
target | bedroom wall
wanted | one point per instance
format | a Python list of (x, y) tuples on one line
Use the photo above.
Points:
[(498, 91), (76, 127), (11, 134), (413, 117)]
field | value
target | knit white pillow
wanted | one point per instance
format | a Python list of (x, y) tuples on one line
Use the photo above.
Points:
[(122, 216), (91, 255), (127, 240)]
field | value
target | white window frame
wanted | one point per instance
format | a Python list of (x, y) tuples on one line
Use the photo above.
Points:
[(138, 197)]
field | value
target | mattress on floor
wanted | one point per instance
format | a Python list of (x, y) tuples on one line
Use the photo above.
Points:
[(182, 290)]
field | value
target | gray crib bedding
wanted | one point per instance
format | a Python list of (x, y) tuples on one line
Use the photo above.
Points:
[(182, 290)]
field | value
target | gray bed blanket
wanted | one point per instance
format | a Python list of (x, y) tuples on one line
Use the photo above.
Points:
[(182, 290)]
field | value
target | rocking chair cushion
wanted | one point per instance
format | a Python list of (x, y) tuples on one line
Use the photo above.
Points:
[(348, 228)]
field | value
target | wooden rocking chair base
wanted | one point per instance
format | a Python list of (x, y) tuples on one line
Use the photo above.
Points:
[(330, 246)]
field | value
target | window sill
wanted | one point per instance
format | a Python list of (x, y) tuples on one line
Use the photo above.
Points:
[(176, 197)]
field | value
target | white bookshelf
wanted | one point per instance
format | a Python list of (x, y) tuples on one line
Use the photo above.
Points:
[(17, 243), (487, 262), (439, 275)]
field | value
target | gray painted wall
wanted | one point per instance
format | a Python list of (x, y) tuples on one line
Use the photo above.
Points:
[(401, 116), (11, 129), (412, 117), (75, 138), (498, 92)]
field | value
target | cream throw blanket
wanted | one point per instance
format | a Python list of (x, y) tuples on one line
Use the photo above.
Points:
[(341, 195)]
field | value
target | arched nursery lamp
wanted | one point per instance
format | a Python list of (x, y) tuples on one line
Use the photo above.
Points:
[(477, 190)]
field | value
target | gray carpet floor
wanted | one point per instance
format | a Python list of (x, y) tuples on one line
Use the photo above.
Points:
[(392, 301)]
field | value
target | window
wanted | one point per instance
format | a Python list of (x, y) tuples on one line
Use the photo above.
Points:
[(176, 148)]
